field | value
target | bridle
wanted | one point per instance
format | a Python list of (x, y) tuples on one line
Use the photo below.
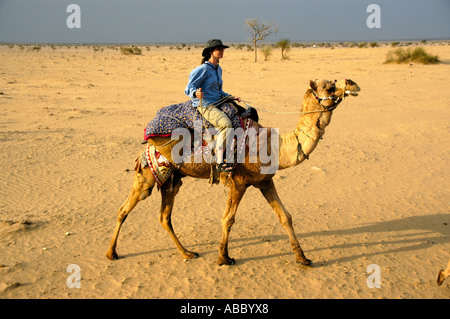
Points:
[(336, 99)]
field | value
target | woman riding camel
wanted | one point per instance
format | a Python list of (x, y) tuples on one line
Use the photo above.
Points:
[(205, 90)]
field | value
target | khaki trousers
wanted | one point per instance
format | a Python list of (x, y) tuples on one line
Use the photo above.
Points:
[(222, 123)]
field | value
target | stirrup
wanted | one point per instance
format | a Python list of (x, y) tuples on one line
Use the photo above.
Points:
[(225, 167)]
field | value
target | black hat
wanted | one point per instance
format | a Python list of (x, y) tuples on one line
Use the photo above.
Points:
[(212, 44)]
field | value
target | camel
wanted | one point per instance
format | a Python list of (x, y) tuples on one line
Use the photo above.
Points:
[(319, 102), (443, 274)]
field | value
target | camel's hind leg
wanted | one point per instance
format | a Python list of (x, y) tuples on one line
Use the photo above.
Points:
[(142, 187), (270, 193), (168, 192)]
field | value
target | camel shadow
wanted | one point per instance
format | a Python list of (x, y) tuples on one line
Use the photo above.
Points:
[(431, 229)]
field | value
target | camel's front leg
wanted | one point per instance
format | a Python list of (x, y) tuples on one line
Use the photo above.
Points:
[(270, 193), (168, 192), (234, 198)]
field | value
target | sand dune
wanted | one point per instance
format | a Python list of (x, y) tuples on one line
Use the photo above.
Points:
[(375, 191)]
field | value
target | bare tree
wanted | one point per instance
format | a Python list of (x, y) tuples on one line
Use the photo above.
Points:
[(259, 31)]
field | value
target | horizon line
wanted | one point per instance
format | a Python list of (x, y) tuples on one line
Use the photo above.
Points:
[(231, 42)]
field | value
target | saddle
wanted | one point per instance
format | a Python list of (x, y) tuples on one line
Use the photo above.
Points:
[(159, 130), (158, 136)]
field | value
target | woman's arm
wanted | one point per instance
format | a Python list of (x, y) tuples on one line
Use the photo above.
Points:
[(196, 78)]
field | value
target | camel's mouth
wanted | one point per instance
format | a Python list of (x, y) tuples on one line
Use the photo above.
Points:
[(352, 93)]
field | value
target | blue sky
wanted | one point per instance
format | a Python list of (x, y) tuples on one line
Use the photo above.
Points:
[(195, 21)]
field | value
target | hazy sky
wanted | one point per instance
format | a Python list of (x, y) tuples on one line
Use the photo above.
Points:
[(189, 21)]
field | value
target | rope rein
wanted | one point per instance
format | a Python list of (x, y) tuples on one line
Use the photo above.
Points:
[(336, 101)]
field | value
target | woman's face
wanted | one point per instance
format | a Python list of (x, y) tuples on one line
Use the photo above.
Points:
[(218, 53)]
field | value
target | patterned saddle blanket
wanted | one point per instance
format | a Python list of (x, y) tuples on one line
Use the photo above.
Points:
[(159, 165), (183, 115)]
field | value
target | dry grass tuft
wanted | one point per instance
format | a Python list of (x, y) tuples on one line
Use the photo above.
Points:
[(418, 55)]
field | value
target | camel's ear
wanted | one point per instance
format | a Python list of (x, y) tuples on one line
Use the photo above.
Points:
[(313, 85)]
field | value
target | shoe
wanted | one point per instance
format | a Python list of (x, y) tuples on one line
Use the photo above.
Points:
[(225, 167)]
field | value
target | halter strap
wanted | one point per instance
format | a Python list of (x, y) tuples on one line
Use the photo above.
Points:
[(325, 108)]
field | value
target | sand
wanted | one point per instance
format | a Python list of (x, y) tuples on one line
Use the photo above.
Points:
[(375, 191)]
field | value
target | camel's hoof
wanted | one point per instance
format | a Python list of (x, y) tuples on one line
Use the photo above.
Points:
[(190, 255), (306, 262), (226, 261), (112, 255)]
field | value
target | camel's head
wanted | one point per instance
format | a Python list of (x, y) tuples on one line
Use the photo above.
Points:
[(328, 94), (347, 87), (324, 92)]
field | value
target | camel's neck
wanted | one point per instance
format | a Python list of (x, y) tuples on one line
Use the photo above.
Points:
[(296, 146)]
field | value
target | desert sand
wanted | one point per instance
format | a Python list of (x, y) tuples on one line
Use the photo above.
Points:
[(375, 191)]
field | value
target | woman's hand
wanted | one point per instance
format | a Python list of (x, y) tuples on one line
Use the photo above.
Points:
[(236, 98), (199, 94)]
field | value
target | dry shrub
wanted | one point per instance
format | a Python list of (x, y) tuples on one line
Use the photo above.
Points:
[(131, 51), (418, 55)]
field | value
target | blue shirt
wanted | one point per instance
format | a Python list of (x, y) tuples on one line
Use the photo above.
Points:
[(208, 77)]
